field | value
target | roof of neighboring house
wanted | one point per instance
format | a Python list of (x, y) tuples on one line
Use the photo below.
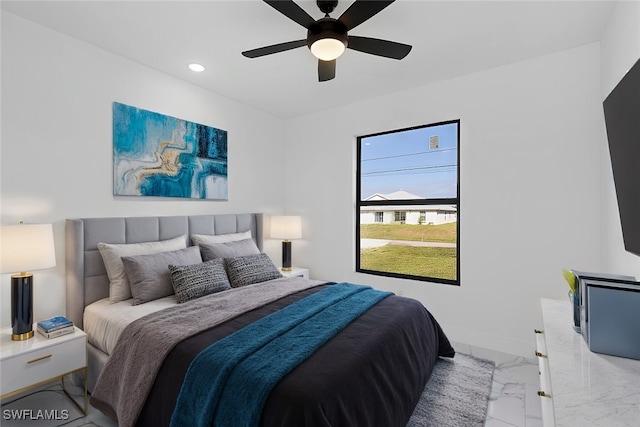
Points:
[(412, 208), (396, 195)]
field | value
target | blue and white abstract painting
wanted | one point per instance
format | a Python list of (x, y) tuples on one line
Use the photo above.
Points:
[(162, 156)]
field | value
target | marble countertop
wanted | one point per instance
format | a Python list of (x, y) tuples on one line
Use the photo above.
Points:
[(588, 389)]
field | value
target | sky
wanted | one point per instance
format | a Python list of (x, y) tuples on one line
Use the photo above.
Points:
[(406, 160)]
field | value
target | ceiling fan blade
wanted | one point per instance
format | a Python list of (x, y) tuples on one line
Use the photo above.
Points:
[(385, 48), (292, 11), (360, 11), (326, 70), (268, 50)]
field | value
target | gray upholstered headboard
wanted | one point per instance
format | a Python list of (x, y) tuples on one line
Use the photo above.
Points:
[(87, 279)]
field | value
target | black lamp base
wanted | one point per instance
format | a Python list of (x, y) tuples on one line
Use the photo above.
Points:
[(22, 306), (286, 255)]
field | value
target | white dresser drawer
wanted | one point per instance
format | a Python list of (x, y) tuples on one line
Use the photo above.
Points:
[(545, 391), (44, 362)]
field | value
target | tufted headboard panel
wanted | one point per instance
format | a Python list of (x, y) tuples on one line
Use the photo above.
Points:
[(86, 276)]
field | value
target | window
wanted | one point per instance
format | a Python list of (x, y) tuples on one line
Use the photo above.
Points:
[(412, 175)]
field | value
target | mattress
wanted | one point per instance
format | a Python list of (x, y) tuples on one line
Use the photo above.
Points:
[(104, 322)]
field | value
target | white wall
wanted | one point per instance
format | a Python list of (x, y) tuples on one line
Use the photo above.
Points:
[(530, 145), (620, 49), (56, 153)]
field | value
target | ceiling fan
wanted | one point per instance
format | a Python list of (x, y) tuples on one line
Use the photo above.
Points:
[(327, 37)]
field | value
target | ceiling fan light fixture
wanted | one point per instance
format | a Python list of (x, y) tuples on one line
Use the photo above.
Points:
[(327, 39), (328, 49)]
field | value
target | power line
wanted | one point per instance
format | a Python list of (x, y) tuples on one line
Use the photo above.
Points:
[(415, 169), (410, 154)]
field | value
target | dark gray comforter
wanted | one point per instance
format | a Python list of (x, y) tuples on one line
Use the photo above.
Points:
[(370, 374)]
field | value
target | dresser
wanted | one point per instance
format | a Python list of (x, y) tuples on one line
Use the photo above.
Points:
[(578, 387)]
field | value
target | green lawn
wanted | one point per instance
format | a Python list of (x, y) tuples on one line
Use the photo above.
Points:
[(423, 233), (417, 261), (411, 260)]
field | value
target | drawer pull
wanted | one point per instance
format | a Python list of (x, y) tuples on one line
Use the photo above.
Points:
[(543, 394), (540, 354), (538, 331), (39, 358)]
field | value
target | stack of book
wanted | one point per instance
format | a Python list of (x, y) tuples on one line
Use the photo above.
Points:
[(55, 327)]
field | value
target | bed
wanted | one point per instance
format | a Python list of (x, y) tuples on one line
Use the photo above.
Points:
[(369, 369)]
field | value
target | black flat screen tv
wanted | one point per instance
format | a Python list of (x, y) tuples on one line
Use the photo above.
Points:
[(622, 118)]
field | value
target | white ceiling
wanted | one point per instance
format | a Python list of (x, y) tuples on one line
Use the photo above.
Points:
[(449, 39)]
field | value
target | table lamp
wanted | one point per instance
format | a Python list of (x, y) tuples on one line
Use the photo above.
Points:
[(286, 227), (24, 247)]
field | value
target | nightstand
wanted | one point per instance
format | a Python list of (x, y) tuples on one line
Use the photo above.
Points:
[(296, 272), (37, 361)]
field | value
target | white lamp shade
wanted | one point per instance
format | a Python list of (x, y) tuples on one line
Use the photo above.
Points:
[(286, 227), (26, 247)]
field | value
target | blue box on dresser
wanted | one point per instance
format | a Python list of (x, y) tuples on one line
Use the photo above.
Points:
[(579, 303), (610, 317)]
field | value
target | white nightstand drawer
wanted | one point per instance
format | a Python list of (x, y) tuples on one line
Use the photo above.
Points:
[(43, 363)]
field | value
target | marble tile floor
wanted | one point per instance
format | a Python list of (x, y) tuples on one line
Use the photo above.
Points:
[(513, 402)]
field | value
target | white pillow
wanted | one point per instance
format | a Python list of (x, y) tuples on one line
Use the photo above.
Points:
[(201, 239), (119, 289)]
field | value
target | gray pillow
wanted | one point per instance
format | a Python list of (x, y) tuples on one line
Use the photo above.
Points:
[(148, 275), (201, 239), (197, 280), (119, 289), (247, 270), (229, 249)]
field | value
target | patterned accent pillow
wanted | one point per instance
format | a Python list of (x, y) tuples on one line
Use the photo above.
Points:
[(250, 269), (197, 280)]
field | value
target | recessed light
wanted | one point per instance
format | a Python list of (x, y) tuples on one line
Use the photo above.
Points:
[(196, 67)]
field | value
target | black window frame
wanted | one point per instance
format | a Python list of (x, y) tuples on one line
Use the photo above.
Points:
[(435, 201)]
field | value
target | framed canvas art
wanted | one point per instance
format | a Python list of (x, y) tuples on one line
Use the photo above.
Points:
[(163, 156)]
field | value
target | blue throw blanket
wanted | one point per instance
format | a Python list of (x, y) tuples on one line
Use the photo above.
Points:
[(228, 383)]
